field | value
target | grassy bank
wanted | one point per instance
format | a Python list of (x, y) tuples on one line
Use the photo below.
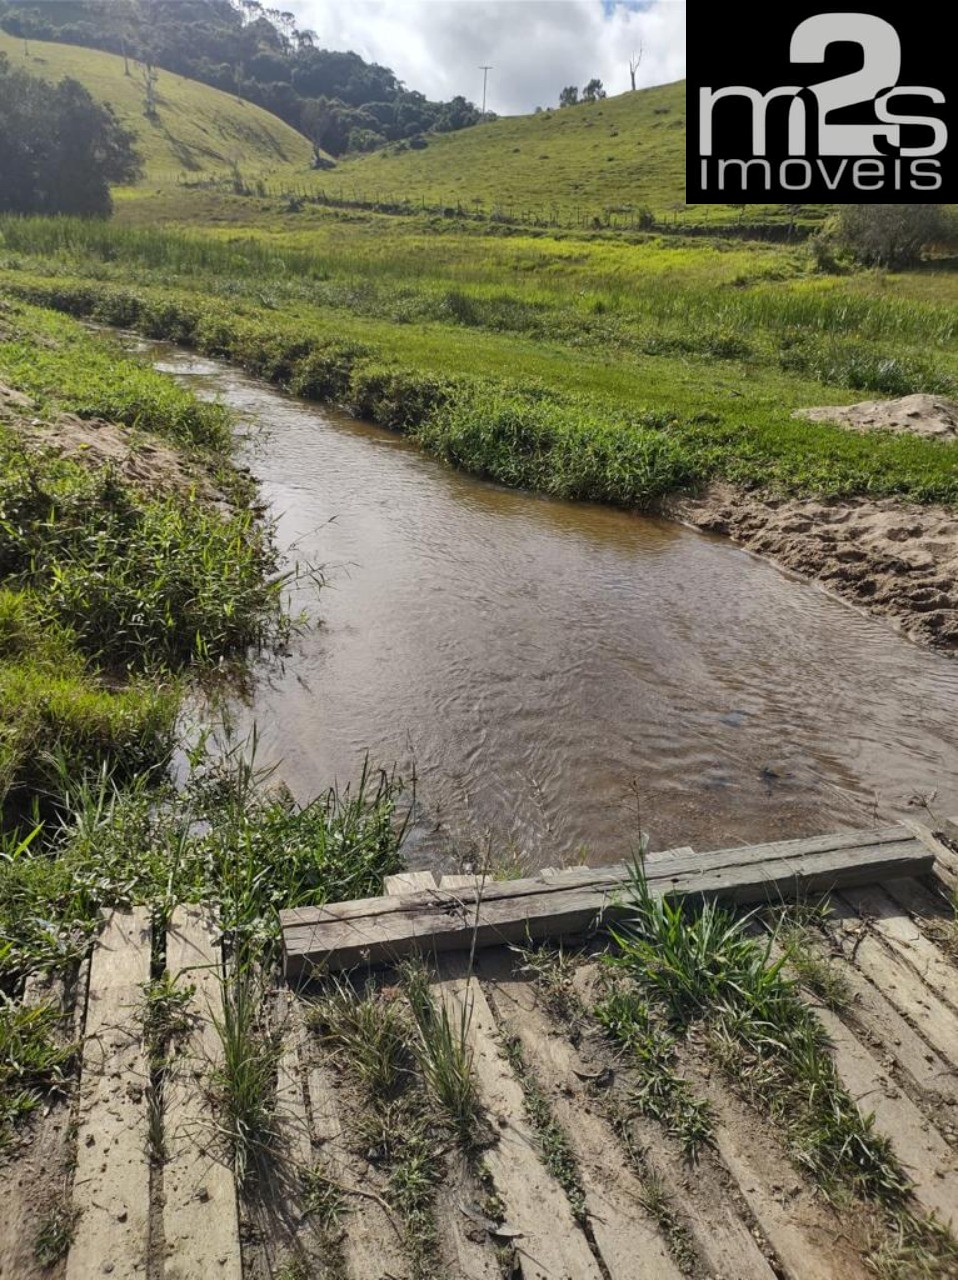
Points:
[(132, 567), (573, 369)]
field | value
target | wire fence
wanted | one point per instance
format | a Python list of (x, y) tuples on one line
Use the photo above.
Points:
[(736, 220)]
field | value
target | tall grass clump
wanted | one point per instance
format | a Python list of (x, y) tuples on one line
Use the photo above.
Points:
[(703, 965), (444, 1053), (244, 1078)]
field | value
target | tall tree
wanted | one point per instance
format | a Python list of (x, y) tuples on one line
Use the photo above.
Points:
[(593, 91), (569, 96)]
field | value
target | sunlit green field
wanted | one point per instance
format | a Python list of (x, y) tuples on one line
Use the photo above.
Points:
[(613, 371)]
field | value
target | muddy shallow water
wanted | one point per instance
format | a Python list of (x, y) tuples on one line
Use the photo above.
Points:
[(560, 674)]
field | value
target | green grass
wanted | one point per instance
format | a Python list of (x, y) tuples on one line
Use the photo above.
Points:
[(578, 420), (199, 132), (33, 1059), (704, 966), (592, 161)]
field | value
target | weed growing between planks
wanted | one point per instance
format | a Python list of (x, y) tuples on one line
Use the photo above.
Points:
[(704, 966), (167, 1021), (399, 1130), (244, 1079), (553, 1141), (660, 1092), (444, 1054)]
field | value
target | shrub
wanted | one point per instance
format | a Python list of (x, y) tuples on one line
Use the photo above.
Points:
[(893, 236)]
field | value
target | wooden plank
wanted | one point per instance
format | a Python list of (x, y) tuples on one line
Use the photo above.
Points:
[(893, 923), (344, 935), (805, 1233), (408, 882), (200, 1218), (628, 1241), (474, 1259), (549, 1244), (283, 1236), (111, 1186), (927, 1158), (677, 876), (614, 877), (896, 980), (372, 1243), (946, 860), (888, 1033), (664, 855), (463, 882)]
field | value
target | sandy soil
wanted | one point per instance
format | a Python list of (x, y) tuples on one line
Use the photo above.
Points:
[(890, 558), (918, 415), (151, 464)]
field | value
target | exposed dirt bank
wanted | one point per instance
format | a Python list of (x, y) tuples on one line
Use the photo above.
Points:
[(917, 415), (152, 465), (891, 558)]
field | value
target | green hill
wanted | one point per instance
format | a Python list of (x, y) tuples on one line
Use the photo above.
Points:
[(619, 155), (198, 131), (628, 150)]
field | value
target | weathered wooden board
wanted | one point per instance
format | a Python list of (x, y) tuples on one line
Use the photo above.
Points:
[(200, 1216), (383, 930), (111, 1187)]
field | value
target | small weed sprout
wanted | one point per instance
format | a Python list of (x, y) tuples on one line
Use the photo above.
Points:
[(55, 1235), (323, 1200)]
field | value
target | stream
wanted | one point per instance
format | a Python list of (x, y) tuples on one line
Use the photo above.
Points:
[(560, 676)]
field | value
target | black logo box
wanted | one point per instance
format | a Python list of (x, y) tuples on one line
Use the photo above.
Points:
[(810, 156)]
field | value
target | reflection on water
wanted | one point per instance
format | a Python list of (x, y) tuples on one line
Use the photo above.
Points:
[(561, 674)]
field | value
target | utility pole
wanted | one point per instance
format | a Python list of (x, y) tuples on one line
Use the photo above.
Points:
[(485, 75)]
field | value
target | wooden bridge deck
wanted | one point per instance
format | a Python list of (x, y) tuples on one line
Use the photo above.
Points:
[(175, 1210)]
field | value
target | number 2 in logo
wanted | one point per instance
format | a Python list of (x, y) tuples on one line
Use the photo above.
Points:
[(876, 82)]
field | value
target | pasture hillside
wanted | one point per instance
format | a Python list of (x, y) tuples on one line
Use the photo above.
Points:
[(198, 132)]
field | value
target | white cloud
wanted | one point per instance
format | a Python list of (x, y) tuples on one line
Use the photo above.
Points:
[(534, 46)]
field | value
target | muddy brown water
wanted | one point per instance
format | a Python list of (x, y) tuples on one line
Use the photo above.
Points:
[(559, 675)]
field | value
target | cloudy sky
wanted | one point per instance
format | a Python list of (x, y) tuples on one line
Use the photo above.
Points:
[(534, 46)]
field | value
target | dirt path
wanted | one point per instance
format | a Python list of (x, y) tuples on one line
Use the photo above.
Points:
[(893, 559)]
